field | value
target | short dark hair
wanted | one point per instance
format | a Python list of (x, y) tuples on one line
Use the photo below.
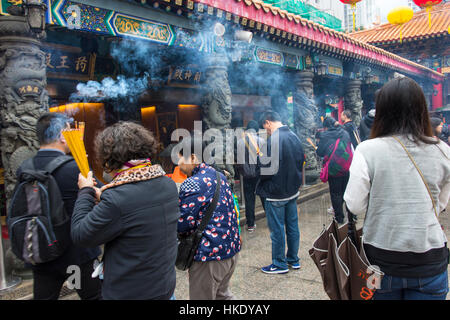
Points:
[(401, 108), (122, 142), (252, 124), (348, 114), (271, 116), (49, 127)]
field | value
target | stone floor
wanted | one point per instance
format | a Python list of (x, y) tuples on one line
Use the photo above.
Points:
[(249, 283)]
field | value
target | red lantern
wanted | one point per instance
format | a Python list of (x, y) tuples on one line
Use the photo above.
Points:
[(353, 5), (428, 5)]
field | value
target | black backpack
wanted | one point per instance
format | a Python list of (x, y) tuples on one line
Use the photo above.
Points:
[(246, 169), (38, 224)]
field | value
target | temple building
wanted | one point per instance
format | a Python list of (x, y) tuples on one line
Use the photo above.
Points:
[(424, 41), (167, 63)]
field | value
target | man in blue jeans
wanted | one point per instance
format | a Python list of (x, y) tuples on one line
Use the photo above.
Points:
[(279, 183)]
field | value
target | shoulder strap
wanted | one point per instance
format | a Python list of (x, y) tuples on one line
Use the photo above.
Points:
[(212, 205), (356, 135), (421, 175), (27, 165), (57, 162), (253, 142), (335, 147)]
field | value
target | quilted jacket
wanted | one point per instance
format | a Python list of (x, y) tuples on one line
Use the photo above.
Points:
[(221, 239)]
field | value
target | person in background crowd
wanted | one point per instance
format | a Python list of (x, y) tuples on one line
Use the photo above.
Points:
[(136, 217), (445, 135), (440, 129), (48, 278), (436, 126), (367, 121), (280, 188), (248, 168), (339, 164), (350, 127), (366, 125), (217, 255), (401, 192)]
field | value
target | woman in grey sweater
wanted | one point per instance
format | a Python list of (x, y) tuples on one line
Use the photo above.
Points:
[(400, 180)]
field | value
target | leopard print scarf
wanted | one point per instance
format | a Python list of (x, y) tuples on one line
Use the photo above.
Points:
[(136, 175)]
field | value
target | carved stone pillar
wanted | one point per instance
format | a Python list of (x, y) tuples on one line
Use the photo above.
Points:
[(305, 121), (216, 105), (23, 97), (353, 100), (280, 105)]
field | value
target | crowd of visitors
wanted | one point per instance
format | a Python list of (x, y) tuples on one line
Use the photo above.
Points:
[(394, 169)]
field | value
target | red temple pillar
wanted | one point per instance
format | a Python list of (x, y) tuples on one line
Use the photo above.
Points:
[(437, 99)]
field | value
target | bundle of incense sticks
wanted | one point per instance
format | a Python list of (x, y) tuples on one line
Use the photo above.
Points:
[(80, 125), (74, 139), (311, 143)]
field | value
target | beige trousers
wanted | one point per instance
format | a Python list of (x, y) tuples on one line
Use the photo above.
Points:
[(210, 280)]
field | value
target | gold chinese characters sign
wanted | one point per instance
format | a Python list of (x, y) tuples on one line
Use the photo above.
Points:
[(185, 76), (335, 70), (69, 63), (269, 56), (143, 29)]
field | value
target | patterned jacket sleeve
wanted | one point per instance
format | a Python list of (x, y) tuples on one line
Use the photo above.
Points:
[(192, 202)]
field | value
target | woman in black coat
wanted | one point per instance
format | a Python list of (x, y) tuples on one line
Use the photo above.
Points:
[(338, 168), (136, 216)]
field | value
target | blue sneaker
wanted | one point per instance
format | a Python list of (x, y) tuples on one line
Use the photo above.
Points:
[(272, 269), (294, 265)]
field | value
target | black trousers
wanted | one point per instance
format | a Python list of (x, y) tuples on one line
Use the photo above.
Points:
[(47, 284), (337, 189), (250, 198)]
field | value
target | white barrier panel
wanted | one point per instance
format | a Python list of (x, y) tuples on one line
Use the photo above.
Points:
[(6, 283)]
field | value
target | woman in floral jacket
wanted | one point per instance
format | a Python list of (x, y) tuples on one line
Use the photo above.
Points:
[(216, 257)]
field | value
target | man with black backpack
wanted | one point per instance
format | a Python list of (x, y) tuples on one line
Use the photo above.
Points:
[(248, 167), (39, 217)]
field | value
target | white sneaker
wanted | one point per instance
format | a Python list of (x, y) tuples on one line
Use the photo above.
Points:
[(330, 211)]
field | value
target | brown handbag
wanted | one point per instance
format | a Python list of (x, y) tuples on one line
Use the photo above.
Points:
[(343, 265), (339, 255)]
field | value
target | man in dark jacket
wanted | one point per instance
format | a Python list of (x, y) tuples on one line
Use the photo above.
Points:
[(50, 276), (366, 125), (350, 127), (280, 180)]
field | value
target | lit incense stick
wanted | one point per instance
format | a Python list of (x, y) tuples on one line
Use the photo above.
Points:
[(311, 143)]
